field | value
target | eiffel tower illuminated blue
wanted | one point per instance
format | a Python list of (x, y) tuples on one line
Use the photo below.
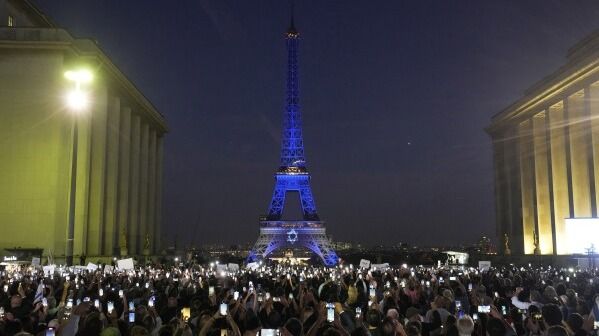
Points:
[(292, 177)]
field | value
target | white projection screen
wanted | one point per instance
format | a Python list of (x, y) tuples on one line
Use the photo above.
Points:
[(581, 233)]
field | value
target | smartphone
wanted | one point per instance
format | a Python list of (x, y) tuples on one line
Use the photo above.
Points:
[(267, 296), (121, 293), (150, 302), (45, 302), (5, 288), (50, 332), (131, 306), (372, 292), (110, 306), (452, 278), (290, 296), (458, 304), (223, 309), (475, 317), (97, 303), (131, 317), (460, 314), (358, 312), (236, 295), (596, 325), (147, 285), (70, 303), (185, 313), (504, 310), (330, 312), (387, 284), (496, 294), (269, 332), (86, 299), (470, 287), (100, 292), (211, 291), (537, 317), (484, 309)]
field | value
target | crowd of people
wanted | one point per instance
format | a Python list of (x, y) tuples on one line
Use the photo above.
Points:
[(284, 300)]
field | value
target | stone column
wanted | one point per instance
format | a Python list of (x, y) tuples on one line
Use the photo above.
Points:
[(124, 181), (578, 133), (527, 177), (594, 117), (112, 176), (544, 222), (133, 225), (151, 210), (159, 165), (559, 174), (143, 187)]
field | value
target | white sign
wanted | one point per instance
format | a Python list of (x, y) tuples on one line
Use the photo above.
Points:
[(364, 263), (253, 266), (35, 261), (108, 269), (382, 267), (125, 264), (49, 270), (92, 267), (484, 265), (233, 267), (221, 267), (581, 234)]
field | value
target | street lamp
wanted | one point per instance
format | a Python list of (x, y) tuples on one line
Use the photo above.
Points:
[(77, 101)]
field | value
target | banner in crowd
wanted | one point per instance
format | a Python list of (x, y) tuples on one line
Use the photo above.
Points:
[(484, 265), (364, 263), (125, 264)]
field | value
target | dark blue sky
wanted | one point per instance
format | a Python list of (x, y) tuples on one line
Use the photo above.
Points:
[(394, 95)]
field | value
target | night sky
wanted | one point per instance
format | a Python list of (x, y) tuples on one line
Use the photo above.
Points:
[(395, 96)]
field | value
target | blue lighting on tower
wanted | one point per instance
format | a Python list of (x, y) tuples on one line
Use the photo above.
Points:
[(292, 175)]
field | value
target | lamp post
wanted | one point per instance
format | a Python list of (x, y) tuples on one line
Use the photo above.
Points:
[(77, 102)]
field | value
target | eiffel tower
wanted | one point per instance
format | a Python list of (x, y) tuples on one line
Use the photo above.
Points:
[(292, 177)]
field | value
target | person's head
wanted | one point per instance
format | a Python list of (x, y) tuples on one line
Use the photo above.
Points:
[(373, 318), (294, 327), (465, 325), (440, 302), (388, 326), (535, 296), (92, 325), (110, 331), (495, 327), (251, 322), (552, 314), (549, 294), (414, 328), (393, 313), (16, 300), (139, 331), (413, 314), (556, 330), (575, 322)]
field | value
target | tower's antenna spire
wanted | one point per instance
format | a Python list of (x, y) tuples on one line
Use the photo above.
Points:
[(292, 19)]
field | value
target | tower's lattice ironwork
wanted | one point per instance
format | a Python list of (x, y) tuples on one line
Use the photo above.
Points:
[(293, 177)]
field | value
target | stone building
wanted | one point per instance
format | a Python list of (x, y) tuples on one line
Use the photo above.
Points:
[(546, 156), (118, 189)]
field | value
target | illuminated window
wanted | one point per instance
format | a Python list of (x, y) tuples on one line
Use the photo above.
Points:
[(11, 21)]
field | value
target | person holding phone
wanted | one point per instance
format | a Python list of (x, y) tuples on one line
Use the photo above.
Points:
[(232, 328)]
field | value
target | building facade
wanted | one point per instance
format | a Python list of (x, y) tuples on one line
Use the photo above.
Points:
[(546, 160), (119, 150)]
